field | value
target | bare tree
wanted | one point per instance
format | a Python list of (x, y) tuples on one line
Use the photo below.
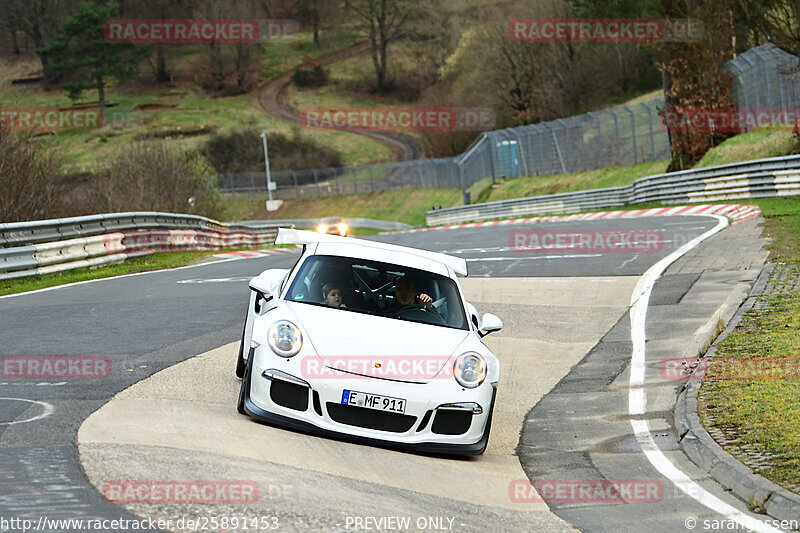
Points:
[(28, 171), (524, 82), (383, 22), (776, 21), (694, 79), (158, 10), (231, 65), (39, 20)]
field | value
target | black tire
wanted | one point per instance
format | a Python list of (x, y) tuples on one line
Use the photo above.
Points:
[(240, 363), (244, 391)]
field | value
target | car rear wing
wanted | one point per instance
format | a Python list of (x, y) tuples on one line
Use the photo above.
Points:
[(298, 236)]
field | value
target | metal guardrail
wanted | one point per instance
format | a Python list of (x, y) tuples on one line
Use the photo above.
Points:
[(762, 178), (48, 246), (383, 225)]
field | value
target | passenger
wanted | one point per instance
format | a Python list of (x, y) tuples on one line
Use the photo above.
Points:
[(332, 295)]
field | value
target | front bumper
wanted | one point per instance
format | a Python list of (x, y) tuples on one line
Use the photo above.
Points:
[(314, 406)]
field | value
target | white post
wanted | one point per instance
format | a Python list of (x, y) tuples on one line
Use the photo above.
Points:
[(271, 205)]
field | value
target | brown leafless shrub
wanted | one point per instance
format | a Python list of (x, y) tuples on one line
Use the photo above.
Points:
[(29, 169), (154, 176)]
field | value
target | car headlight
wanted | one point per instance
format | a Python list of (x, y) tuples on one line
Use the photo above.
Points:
[(469, 370), (342, 228), (284, 338), (322, 228)]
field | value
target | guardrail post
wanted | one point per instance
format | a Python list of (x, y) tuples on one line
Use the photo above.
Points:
[(616, 134), (316, 180), (652, 137), (492, 156), (336, 181), (598, 140), (464, 193), (371, 180), (633, 135)]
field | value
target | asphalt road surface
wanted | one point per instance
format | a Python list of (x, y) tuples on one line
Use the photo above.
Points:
[(565, 349)]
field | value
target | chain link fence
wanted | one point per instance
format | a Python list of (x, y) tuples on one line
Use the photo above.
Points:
[(764, 77)]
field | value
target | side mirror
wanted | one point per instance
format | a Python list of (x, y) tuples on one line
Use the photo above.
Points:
[(490, 323), (262, 286)]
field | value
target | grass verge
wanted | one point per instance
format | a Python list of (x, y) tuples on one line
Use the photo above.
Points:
[(558, 183), (757, 409), (405, 205), (131, 266)]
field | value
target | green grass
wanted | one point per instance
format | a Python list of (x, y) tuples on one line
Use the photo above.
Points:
[(558, 183), (86, 149), (131, 266), (757, 144), (764, 413), (193, 109), (407, 205)]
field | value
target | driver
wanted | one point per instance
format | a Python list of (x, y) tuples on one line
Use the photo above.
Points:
[(405, 294)]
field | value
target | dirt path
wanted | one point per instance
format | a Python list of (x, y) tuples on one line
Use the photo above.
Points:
[(271, 98)]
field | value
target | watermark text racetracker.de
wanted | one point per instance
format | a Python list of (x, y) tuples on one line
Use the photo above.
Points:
[(54, 367), (589, 491), (376, 366), (49, 119), (615, 30), (399, 118), (703, 120), (196, 31), (772, 368), (585, 241), (53, 119), (205, 492)]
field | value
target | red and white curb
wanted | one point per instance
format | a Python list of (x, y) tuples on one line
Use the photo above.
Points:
[(247, 254), (735, 212)]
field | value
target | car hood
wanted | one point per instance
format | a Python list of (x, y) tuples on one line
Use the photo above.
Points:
[(377, 346)]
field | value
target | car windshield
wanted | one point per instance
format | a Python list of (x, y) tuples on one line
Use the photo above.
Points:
[(376, 288)]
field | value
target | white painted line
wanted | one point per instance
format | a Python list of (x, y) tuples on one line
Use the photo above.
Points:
[(218, 280), (46, 289), (637, 399), (46, 407), (529, 257)]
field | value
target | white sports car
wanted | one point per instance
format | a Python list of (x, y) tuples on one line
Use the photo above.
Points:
[(371, 342)]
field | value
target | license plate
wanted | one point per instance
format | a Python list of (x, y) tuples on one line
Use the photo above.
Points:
[(373, 401)]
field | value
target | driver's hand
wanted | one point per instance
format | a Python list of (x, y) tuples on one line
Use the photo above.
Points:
[(425, 300)]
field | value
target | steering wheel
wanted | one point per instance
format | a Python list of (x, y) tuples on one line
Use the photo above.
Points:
[(419, 313), (372, 294)]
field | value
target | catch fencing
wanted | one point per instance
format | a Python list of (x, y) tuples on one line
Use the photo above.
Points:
[(765, 77), (619, 136)]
